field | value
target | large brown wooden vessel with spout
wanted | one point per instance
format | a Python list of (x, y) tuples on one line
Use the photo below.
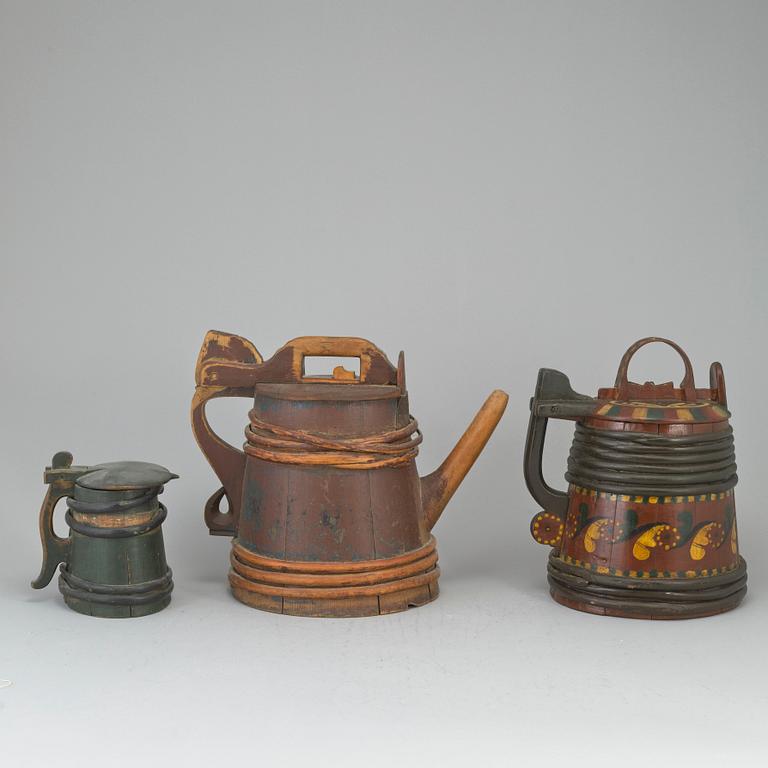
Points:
[(329, 515)]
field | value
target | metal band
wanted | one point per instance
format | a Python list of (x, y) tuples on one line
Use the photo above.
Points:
[(141, 593), (116, 533), (643, 463)]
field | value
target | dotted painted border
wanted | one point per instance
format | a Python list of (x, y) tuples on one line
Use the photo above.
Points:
[(595, 494), (649, 574)]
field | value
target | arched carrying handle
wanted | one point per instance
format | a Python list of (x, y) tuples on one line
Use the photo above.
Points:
[(626, 390), (60, 477), (231, 361), (373, 362)]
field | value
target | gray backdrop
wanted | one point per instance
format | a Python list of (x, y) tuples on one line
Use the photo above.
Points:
[(492, 187)]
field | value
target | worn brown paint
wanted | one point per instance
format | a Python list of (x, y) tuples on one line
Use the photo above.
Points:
[(329, 515)]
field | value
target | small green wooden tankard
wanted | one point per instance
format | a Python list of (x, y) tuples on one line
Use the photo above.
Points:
[(113, 562)]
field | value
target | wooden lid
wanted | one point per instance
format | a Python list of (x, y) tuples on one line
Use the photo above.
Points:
[(663, 403), (329, 392)]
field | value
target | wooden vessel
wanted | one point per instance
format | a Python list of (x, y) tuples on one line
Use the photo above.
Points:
[(647, 528), (329, 515), (113, 561)]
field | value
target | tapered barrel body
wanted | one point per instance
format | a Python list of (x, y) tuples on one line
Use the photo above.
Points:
[(113, 563), (328, 513), (325, 512), (647, 527)]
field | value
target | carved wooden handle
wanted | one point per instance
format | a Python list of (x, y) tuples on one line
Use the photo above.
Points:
[(623, 386), (60, 477), (222, 350), (230, 366), (374, 365), (553, 502), (231, 361)]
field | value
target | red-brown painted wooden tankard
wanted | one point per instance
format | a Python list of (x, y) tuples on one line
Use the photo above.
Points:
[(647, 528), (329, 515)]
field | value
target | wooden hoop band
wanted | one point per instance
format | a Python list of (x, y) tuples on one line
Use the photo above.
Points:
[(314, 580), (247, 557), (334, 593)]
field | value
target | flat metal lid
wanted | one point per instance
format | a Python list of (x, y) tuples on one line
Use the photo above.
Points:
[(124, 476)]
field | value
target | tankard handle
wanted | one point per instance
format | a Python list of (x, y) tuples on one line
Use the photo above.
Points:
[(553, 398), (624, 387), (60, 478), (230, 366), (238, 358)]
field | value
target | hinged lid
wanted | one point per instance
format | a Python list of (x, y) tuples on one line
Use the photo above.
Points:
[(124, 476)]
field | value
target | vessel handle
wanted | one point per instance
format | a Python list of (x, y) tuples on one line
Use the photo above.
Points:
[(241, 358), (60, 478), (553, 398), (227, 462), (374, 366), (554, 503), (623, 386)]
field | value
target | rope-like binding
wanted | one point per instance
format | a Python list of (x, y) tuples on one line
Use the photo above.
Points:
[(643, 463), (296, 446)]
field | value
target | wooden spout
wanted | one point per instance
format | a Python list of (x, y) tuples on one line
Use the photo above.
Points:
[(438, 487)]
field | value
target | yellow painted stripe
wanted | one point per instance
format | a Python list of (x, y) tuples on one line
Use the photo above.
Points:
[(684, 414), (604, 409), (640, 413)]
